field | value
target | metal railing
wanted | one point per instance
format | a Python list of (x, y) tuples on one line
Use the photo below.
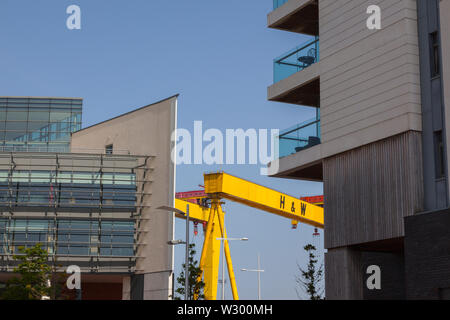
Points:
[(300, 137), (296, 60), (28, 148), (278, 3), (100, 151), (60, 149)]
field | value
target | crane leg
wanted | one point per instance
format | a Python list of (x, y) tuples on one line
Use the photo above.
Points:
[(210, 257), (209, 227), (228, 255), (212, 262)]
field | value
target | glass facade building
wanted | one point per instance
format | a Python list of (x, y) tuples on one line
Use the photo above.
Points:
[(69, 237), (84, 209), (38, 124)]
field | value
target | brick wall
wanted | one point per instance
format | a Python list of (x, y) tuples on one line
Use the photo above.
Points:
[(427, 255)]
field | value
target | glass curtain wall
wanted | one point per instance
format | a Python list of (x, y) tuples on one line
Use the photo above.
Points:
[(38, 124), (69, 237), (80, 207)]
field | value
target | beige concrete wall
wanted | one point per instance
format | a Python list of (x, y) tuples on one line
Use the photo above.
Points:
[(370, 82), (296, 161), (294, 81), (146, 131), (126, 288), (445, 40)]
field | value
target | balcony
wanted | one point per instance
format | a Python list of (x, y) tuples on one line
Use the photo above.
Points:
[(300, 152), (301, 16), (299, 137), (278, 3), (296, 60), (296, 76)]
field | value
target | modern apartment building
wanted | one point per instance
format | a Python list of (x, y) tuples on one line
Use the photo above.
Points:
[(89, 195), (379, 141)]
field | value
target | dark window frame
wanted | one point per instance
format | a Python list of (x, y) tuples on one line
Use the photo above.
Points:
[(435, 54), (439, 151), (109, 149)]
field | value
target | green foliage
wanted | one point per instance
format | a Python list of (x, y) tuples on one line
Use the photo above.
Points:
[(311, 278), (34, 274), (58, 289), (195, 288)]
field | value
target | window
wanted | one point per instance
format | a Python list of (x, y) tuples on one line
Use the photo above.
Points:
[(78, 250), (109, 149), (439, 154), (435, 54)]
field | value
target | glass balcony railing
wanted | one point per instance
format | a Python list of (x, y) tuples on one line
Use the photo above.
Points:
[(278, 3), (296, 60), (300, 137)]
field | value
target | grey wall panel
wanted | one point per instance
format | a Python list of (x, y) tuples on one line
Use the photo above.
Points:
[(137, 287), (343, 274), (433, 119), (392, 275), (346, 274), (369, 190), (444, 8)]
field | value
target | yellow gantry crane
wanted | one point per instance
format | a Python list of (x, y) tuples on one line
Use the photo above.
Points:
[(219, 186)]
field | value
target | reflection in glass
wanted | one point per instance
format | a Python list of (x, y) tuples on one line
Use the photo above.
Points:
[(72, 237), (27, 121)]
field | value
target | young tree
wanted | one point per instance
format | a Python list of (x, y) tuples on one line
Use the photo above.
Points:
[(59, 290), (195, 288), (33, 282), (310, 280)]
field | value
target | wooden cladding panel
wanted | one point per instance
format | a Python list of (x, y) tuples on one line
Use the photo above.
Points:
[(369, 190)]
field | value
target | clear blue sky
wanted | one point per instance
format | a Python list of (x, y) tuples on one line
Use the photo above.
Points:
[(217, 54)]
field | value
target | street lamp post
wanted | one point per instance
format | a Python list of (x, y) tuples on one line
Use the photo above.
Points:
[(259, 276), (223, 260), (186, 269), (175, 242)]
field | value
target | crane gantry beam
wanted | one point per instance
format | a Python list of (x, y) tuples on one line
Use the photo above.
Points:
[(226, 186), (196, 212), (220, 186)]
